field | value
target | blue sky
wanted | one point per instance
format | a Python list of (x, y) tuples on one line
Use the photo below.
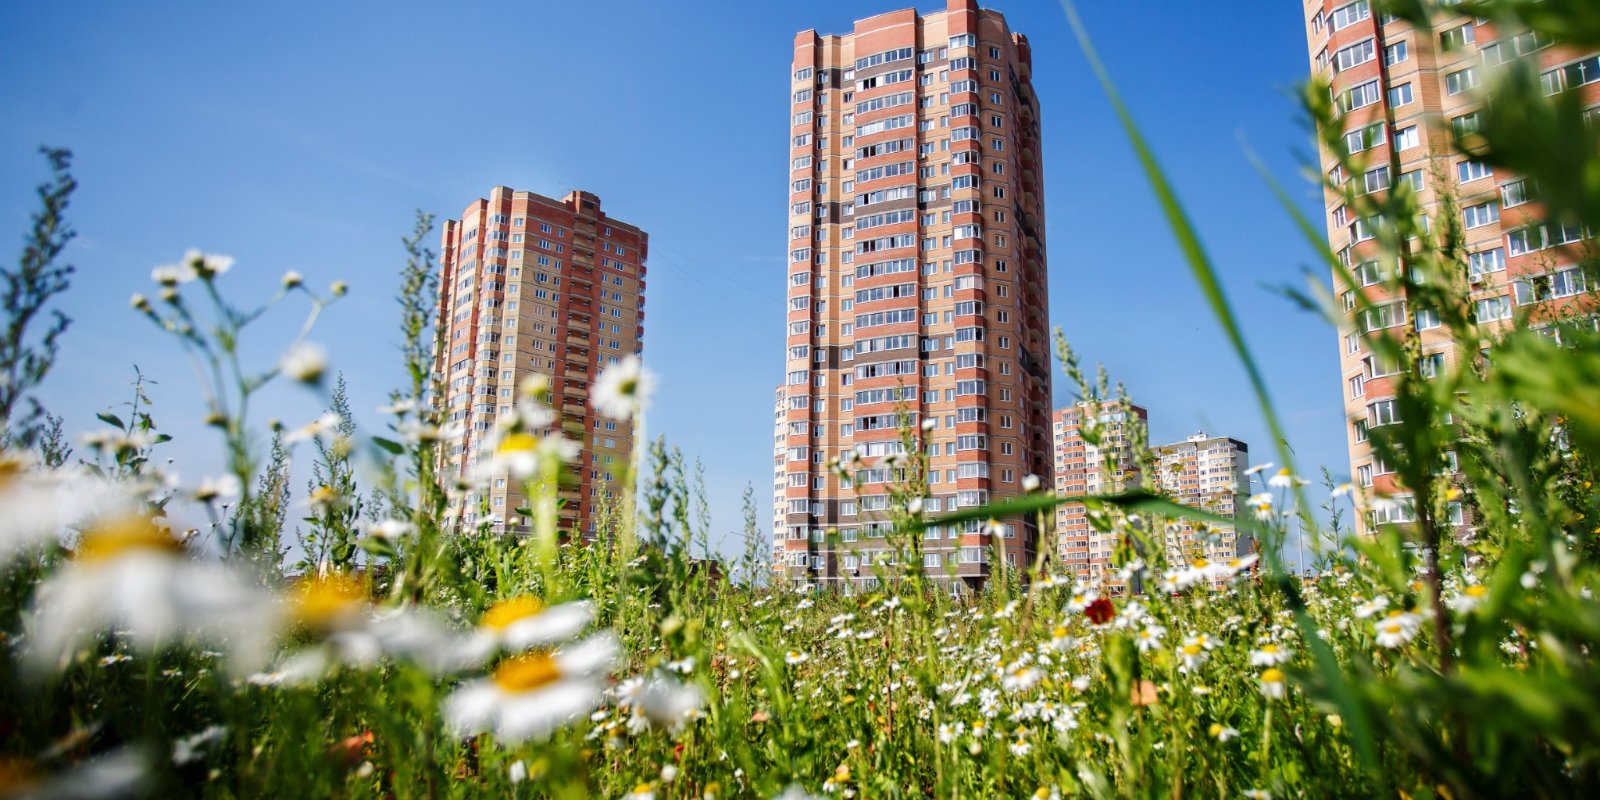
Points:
[(303, 139)]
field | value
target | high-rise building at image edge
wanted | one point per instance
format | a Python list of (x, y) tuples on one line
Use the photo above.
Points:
[(531, 285), (1403, 95), (915, 280)]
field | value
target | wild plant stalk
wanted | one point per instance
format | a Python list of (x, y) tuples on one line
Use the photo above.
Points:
[(26, 353)]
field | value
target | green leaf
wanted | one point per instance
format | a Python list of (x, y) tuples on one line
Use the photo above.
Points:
[(111, 419), (388, 444)]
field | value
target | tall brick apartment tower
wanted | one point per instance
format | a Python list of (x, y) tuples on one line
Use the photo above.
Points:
[(533, 285), (916, 276), (1403, 94)]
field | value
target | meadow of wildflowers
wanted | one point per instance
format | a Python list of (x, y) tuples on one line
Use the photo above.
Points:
[(403, 658)]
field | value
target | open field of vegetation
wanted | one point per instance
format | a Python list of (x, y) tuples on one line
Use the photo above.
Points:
[(391, 656)]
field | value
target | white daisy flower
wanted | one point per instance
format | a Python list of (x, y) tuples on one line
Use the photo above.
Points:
[(524, 622), (1274, 685), (324, 427), (129, 577), (1284, 479), (623, 390), (1270, 655), (1149, 638), (660, 703), (531, 695), (306, 363), (1468, 599)]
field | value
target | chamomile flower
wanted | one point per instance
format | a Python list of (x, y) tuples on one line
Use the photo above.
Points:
[(1468, 599), (1274, 684), (531, 695), (306, 363), (1371, 607), (1149, 638), (659, 703), (1284, 479), (1396, 629), (521, 455), (1270, 655), (1222, 733), (623, 390), (523, 622), (129, 577)]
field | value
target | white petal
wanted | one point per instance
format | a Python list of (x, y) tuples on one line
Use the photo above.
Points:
[(472, 708), (552, 625)]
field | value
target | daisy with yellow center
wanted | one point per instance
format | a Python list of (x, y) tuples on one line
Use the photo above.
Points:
[(1270, 655), (1469, 598), (1192, 654), (530, 695), (1274, 684), (329, 601), (130, 577), (522, 622)]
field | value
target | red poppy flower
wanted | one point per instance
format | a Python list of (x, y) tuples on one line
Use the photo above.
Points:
[(1100, 611)]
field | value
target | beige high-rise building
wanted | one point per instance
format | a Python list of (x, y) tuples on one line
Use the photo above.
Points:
[(1205, 473), (1404, 96), (1105, 466), (531, 285), (916, 282)]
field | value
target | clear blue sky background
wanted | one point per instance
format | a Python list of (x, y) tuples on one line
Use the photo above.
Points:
[(302, 137)]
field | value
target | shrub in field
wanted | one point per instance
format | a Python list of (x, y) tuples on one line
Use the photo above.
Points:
[(407, 657)]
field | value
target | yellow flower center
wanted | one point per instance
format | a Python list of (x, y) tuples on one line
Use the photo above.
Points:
[(320, 600), (1201, 563), (527, 672), (1269, 648), (517, 443), (1393, 628), (1273, 675), (1476, 590), (125, 534), (1191, 649), (1060, 632), (1216, 729), (502, 614), (10, 468)]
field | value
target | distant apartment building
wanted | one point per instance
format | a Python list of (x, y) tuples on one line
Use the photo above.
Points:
[(531, 285), (1206, 473), (1404, 96), (916, 282), (780, 446), (1098, 451), (1107, 465)]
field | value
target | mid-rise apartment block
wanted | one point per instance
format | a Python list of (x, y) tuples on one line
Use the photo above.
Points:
[(1106, 465), (915, 283), (1206, 473), (1101, 448), (1404, 97), (531, 285)]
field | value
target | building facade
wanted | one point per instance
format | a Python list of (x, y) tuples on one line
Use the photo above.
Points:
[(1107, 465), (915, 282), (1207, 473), (1404, 96), (534, 286)]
